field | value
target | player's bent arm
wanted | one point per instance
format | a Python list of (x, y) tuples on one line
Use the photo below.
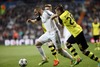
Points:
[(35, 20), (54, 16), (57, 21), (32, 21)]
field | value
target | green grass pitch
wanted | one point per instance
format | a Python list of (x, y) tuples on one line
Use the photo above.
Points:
[(10, 55)]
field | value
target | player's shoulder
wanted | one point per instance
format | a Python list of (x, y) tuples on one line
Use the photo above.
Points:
[(49, 12), (99, 23), (44, 13), (66, 12)]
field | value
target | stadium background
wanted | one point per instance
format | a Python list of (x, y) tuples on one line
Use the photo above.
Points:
[(13, 16), (14, 13)]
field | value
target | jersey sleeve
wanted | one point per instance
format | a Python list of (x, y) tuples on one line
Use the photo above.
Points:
[(60, 21), (49, 13), (38, 18), (46, 15)]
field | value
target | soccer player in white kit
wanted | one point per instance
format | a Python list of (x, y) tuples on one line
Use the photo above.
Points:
[(50, 44), (52, 34)]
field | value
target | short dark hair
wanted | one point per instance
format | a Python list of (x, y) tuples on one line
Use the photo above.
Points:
[(59, 7), (37, 7), (48, 5)]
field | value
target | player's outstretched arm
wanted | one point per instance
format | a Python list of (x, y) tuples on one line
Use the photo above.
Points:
[(31, 21)]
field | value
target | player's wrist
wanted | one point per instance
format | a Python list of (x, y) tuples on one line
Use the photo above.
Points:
[(54, 16), (29, 20)]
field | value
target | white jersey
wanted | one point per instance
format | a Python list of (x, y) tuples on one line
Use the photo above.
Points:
[(49, 24), (52, 33)]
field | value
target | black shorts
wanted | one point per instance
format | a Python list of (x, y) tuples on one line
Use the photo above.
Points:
[(81, 41), (71, 40), (96, 38)]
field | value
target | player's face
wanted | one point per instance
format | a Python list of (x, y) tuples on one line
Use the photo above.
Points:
[(95, 20), (57, 11), (35, 12), (48, 8)]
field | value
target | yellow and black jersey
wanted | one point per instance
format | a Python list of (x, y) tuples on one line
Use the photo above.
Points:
[(95, 28), (67, 20)]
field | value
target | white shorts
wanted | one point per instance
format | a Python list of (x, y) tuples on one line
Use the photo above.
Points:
[(54, 36), (66, 34)]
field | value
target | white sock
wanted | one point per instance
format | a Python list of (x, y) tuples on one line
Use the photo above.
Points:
[(66, 54), (40, 49)]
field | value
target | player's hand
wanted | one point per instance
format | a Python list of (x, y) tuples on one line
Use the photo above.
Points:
[(29, 20), (54, 16)]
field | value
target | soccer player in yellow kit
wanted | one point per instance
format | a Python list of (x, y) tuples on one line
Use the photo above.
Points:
[(96, 33), (66, 19)]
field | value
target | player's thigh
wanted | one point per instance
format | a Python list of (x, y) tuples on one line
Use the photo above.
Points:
[(81, 41), (43, 38), (96, 38), (55, 37), (71, 40)]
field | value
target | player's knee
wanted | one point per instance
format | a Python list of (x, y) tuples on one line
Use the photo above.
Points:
[(38, 44), (50, 43)]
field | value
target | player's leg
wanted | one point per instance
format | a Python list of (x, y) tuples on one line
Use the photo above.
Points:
[(40, 49), (45, 38), (54, 53), (53, 50), (99, 42), (38, 44), (56, 40), (83, 47), (92, 56), (57, 43), (69, 43), (68, 40), (42, 53), (95, 42)]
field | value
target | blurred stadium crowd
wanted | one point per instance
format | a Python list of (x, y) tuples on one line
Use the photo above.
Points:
[(14, 14)]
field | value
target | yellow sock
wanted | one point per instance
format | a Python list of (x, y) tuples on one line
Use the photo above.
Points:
[(54, 52)]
